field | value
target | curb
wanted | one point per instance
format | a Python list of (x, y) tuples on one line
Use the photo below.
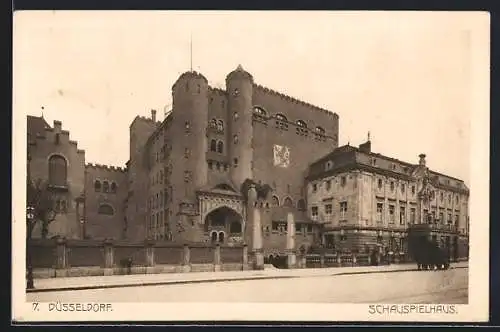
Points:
[(159, 283)]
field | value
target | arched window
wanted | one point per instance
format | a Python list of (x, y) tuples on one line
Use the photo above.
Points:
[(288, 202), (221, 237), (275, 201), (106, 209), (97, 185), (281, 117), (259, 111), (320, 130), (113, 187), (105, 186), (220, 147), (301, 123), (301, 205), (58, 170), (213, 145), (213, 237), (213, 123), (220, 125)]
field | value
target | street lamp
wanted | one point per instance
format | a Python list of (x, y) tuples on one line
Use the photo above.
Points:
[(30, 215)]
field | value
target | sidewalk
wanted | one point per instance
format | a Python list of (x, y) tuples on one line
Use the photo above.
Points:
[(83, 283)]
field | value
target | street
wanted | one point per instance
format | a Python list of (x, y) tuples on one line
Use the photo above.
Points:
[(450, 286)]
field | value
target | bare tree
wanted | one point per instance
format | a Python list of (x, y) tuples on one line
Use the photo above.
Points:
[(41, 202)]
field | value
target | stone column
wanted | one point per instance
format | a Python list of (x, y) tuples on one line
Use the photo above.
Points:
[(62, 258), (245, 257), (150, 255), (322, 259), (255, 224), (108, 257), (290, 241), (217, 260), (186, 259), (257, 241)]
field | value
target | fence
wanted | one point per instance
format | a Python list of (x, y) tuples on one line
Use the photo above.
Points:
[(341, 260), (63, 258)]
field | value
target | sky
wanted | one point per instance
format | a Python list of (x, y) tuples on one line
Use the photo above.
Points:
[(407, 78)]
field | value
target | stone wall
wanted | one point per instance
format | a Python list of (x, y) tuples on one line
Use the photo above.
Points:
[(66, 258)]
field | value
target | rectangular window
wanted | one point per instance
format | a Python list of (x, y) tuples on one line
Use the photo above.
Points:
[(402, 215), (433, 216), (441, 217), (391, 214), (328, 185), (380, 209), (342, 181), (314, 187), (314, 212), (343, 210), (457, 218), (412, 215), (328, 209), (309, 228), (449, 218)]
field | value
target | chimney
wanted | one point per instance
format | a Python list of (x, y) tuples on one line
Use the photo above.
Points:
[(421, 161), (153, 115), (57, 125)]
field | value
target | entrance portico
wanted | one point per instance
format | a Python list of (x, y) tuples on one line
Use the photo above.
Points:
[(223, 215)]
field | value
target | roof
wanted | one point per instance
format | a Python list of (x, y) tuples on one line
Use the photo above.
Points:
[(36, 126), (354, 164)]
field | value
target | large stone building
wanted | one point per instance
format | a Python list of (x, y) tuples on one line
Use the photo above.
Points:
[(187, 176), (365, 200)]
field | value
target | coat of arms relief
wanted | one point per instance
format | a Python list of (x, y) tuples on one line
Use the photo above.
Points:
[(281, 156)]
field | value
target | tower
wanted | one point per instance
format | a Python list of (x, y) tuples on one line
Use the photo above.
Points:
[(239, 87), (188, 135)]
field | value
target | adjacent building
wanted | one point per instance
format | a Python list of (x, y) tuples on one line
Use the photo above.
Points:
[(365, 200)]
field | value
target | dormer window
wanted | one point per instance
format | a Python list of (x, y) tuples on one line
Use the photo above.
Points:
[(281, 117), (259, 111), (319, 130), (301, 124)]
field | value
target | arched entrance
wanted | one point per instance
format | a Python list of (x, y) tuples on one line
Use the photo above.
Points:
[(222, 224)]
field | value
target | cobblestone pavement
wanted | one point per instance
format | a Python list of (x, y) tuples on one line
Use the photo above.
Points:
[(310, 285)]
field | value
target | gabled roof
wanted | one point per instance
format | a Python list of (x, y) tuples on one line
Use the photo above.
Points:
[(36, 126)]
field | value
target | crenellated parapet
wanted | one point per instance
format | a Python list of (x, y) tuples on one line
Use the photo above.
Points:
[(217, 91), (293, 100), (189, 75), (106, 168)]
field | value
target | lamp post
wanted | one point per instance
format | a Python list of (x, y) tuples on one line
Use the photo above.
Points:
[(30, 215)]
